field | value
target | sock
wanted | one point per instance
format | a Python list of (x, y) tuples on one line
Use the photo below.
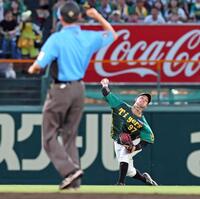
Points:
[(139, 176), (122, 172)]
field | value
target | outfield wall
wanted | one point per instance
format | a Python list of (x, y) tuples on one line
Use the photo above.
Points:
[(172, 160)]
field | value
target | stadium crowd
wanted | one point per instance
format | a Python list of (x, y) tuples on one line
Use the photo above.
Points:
[(24, 27)]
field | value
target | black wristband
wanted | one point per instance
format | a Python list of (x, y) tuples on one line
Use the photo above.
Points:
[(105, 91)]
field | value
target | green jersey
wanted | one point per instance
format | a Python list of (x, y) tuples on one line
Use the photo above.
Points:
[(123, 120)]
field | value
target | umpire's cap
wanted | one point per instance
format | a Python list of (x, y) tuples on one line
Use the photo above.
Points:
[(146, 94), (70, 12)]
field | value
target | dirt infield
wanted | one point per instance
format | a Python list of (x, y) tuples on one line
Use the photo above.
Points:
[(91, 196)]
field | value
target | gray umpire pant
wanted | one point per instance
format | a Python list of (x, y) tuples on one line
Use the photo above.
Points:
[(61, 116)]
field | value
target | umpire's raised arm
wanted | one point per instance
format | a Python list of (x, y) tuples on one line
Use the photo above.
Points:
[(93, 13)]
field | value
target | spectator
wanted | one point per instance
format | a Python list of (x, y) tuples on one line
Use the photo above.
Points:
[(147, 5), (173, 6), (55, 9), (133, 18), (189, 4), (93, 3), (140, 9), (155, 17), (105, 8), (9, 28), (43, 19), (43, 2), (130, 2), (115, 17), (42, 15), (174, 19), (185, 5), (158, 4), (123, 8), (16, 6), (195, 11)]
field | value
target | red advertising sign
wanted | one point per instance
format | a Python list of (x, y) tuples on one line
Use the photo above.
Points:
[(138, 42)]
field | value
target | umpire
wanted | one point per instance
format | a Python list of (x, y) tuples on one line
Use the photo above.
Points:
[(72, 48)]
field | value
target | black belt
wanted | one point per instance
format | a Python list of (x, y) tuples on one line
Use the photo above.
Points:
[(56, 81)]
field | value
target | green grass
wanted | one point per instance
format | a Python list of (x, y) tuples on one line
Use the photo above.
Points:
[(191, 190)]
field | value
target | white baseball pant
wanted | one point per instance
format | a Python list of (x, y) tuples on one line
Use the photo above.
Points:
[(122, 155)]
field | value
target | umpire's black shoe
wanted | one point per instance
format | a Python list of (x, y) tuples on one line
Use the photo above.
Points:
[(75, 184), (149, 180), (70, 178)]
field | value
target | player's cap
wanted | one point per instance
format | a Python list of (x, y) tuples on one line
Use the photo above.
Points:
[(146, 94), (70, 12)]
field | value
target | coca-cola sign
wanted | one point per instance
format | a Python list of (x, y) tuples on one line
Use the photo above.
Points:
[(142, 52)]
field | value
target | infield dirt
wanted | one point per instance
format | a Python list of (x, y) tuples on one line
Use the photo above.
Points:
[(91, 196)]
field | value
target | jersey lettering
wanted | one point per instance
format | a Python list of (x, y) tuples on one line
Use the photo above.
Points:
[(121, 111)]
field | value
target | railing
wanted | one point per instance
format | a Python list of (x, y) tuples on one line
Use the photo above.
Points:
[(16, 61), (158, 64)]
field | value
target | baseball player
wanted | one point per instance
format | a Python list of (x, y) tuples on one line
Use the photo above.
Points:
[(130, 132)]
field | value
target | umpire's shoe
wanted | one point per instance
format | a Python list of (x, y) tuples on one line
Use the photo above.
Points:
[(149, 180), (70, 178)]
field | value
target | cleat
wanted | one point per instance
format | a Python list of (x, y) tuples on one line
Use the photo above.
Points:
[(149, 180)]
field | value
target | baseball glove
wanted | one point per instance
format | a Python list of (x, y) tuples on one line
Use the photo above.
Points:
[(125, 140)]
